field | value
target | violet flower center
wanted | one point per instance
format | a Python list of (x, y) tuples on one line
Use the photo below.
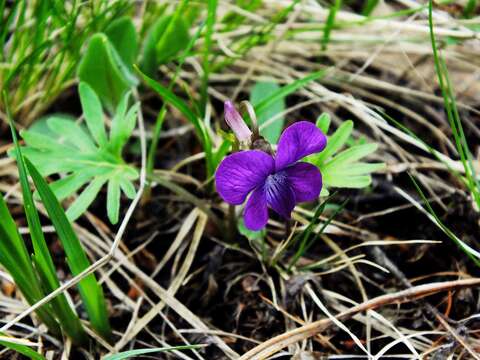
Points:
[(276, 182)]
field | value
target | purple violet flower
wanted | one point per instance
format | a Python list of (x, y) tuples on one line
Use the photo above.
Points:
[(236, 122), (277, 182)]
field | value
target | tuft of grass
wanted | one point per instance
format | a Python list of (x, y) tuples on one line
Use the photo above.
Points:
[(37, 275), (453, 116), (41, 43), (473, 254), (41, 258)]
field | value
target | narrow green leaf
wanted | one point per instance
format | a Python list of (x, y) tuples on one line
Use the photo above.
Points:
[(85, 199), (128, 188), (260, 92), (286, 90), (69, 321), (68, 185), (132, 353), (472, 253), (92, 110), (356, 169), (330, 23), (207, 51), (22, 349), (113, 200), (369, 6), (90, 291), (334, 143), (163, 110), (123, 125), (173, 99), (350, 182), (323, 122), (350, 155)]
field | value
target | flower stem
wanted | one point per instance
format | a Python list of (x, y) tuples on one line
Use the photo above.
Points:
[(231, 223), (288, 228)]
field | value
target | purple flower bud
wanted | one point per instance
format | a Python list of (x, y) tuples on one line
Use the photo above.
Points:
[(236, 122)]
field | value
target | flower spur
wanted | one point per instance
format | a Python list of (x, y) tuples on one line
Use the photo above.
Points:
[(277, 182)]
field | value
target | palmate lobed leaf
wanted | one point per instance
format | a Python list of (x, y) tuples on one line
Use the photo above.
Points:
[(341, 168), (87, 157)]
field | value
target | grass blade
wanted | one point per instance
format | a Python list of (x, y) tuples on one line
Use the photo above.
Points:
[(69, 321), (473, 254), (288, 89), (211, 18), (21, 349), (90, 291), (131, 353), (329, 24), (169, 96)]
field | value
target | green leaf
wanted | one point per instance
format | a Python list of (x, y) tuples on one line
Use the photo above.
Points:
[(350, 182), (341, 168), (92, 110), (351, 155), (113, 200), (86, 156), (68, 319), (323, 122), (22, 349), (249, 234), (334, 143), (262, 91), (286, 90), (73, 133), (132, 353), (14, 257), (173, 99), (82, 202), (103, 69), (128, 188), (123, 125), (330, 23), (123, 36), (369, 6), (90, 291), (167, 37)]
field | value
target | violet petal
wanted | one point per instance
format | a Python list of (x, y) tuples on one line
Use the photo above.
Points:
[(297, 141), (256, 211), (280, 196), (305, 180), (241, 172), (236, 122)]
